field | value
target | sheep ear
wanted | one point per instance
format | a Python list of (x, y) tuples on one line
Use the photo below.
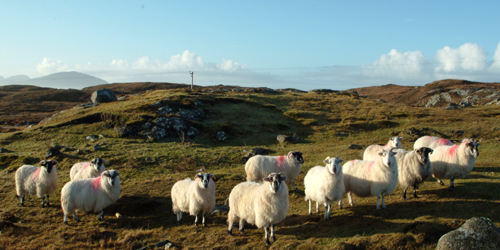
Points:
[(266, 179), (106, 173), (54, 162), (327, 160), (94, 161), (282, 178), (211, 176), (290, 153), (43, 163), (400, 138), (103, 161), (381, 153), (198, 176), (339, 160)]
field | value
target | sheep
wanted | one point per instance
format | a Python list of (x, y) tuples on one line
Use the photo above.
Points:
[(91, 169), (325, 184), (258, 167), (261, 204), (371, 178), (431, 142), (454, 161), (40, 181), (371, 151), (90, 194), (196, 197), (414, 167)]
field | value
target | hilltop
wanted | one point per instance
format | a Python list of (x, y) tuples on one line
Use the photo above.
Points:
[(157, 137)]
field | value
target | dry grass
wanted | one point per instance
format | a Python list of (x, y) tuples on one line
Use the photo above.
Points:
[(326, 124)]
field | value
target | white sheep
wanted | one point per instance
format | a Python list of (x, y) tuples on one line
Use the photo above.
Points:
[(90, 194), (82, 170), (196, 197), (414, 167), (454, 161), (325, 184), (258, 167), (431, 142), (37, 181), (260, 204), (371, 178), (371, 151)]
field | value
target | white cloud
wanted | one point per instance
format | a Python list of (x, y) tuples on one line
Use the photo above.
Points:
[(229, 65), (398, 65), (495, 66), (467, 58), (49, 66)]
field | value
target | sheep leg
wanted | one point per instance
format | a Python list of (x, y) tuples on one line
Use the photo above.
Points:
[(43, 201), (378, 202), (22, 200), (383, 201), (440, 182), (340, 203), (404, 193), (349, 197), (415, 187), (196, 220), (452, 183), (101, 215), (242, 226), (76, 217), (273, 237), (317, 207), (267, 235), (65, 219), (203, 222), (327, 210), (310, 209), (179, 218), (295, 187), (48, 202), (230, 228)]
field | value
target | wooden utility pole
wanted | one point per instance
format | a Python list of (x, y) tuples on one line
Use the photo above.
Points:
[(191, 72)]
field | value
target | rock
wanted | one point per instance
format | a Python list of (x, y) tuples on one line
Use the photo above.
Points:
[(165, 110), (436, 99), (103, 95), (355, 146), (80, 152), (286, 138), (148, 159), (323, 91), (475, 233), (494, 102), (260, 151), (97, 147), (381, 100), (2, 150), (191, 114), (221, 136), (52, 152), (161, 243), (91, 137)]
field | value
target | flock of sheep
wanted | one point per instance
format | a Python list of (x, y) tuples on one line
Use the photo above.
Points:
[(263, 204)]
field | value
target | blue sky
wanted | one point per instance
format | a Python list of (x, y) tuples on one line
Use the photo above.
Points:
[(276, 44)]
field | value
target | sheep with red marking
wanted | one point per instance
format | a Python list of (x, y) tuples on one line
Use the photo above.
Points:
[(371, 178), (454, 161), (92, 169), (431, 142), (90, 194), (194, 197), (372, 151), (37, 181), (259, 166)]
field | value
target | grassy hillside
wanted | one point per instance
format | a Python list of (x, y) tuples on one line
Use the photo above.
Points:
[(326, 124)]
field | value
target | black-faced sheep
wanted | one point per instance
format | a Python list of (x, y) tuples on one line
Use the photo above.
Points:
[(414, 167), (82, 170), (37, 181)]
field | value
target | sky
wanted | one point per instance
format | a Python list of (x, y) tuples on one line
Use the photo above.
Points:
[(276, 44)]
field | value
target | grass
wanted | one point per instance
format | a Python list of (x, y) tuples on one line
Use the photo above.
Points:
[(326, 124)]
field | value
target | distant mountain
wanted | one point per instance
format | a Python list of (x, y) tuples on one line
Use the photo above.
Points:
[(61, 80)]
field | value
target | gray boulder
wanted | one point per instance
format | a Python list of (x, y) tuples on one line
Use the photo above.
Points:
[(103, 95), (475, 233), (286, 138)]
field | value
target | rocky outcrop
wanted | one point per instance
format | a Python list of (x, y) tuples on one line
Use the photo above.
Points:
[(475, 233), (103, 95)]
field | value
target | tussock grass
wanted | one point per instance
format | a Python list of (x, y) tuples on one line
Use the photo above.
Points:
[(326, 124)]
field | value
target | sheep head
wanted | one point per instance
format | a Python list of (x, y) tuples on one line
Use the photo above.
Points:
[(388, 157), (48, 165), (472, 145), (275, 180), (396, 142), (333, 164), (98, 163), (204, 179), (296, 156), (423, 154), (111, 176)]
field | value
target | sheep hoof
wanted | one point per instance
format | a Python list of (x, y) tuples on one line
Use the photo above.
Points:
[(273, 238), (204, 224), (267, 242), (99, 219), (196, 224), (179, 222), (229, 232), (66, 222), (242, 232), (452, 188)]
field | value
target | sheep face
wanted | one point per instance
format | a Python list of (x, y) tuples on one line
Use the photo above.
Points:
[(333, 164), (423, 154), (275, 180), (296, 156), (98, 164), (387, 157), (472, 145), (112, 177), (204, 179), (48, 165), (396, 142)]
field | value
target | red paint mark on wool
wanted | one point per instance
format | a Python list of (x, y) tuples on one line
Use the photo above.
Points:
[(86, 165), (281, 160), (453, 150), (444, 142), (96, 183), (37, 173), (369, 166)]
